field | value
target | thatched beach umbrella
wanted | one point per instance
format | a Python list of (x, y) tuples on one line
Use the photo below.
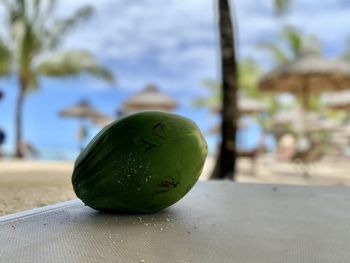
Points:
[(102, 120), (315, 121), (82, 111), (339, 138), (344, 130), (324, 124), (151, 98), (248, 105), (307, 75), (292, 117), (338, 101)]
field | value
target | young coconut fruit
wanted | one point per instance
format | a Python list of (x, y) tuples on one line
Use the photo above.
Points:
[(141, 163)]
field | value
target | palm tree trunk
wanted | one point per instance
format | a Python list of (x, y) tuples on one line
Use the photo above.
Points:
[(18, 120), (226, 162)]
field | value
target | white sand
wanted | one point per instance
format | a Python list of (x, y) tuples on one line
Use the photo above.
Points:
[(29, 184)]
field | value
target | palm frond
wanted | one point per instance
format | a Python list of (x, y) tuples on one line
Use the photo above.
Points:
[(248, 76), (210, 102), (29, 46), (213, 99), (101, 72), (13, 11), (61, 27), (281, 6), (294, 39), (211, 85), (72, 63), (47, 12), (5, 59), (278, 54), (36, 8)]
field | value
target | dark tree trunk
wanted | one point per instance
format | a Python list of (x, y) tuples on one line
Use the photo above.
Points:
[(226, 162), (18, 120)]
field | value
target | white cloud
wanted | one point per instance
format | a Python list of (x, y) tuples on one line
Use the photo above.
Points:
[(154, 40)]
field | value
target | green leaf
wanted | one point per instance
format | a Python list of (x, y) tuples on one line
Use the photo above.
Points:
[(5, 59), (292, 43), (249, 74), (281, 6), (72, 63), (55, 34), (29, 47), (277, 52), (101, 72), (294, 39)]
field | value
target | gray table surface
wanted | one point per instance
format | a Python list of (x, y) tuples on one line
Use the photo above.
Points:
[(215, 222)]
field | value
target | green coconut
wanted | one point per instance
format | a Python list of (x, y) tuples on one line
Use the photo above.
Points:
[(142, 163)]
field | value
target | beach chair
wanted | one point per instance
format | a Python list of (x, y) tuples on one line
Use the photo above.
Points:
[(308, 156), (252, 156)]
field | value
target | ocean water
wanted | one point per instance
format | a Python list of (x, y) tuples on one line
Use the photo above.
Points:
[(248, 138)]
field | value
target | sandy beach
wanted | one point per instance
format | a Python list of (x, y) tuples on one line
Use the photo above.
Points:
[(29, 184)]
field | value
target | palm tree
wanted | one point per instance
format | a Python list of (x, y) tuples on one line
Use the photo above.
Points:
[(225, 164), (29, 50)]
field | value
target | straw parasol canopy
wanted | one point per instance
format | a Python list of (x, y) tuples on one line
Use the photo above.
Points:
[(337, 101), (308, 74), (292, 117), (149, 98), (325, 125), (83, 111), (102, 120), (315, 121), (344, 129), (340, 137), (250, 106)]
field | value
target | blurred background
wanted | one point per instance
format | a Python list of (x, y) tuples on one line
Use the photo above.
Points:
[(68, 68)]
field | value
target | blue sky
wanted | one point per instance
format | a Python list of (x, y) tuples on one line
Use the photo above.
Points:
[(170, 43)]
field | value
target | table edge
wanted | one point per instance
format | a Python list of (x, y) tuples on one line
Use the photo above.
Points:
[(38, 210)]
